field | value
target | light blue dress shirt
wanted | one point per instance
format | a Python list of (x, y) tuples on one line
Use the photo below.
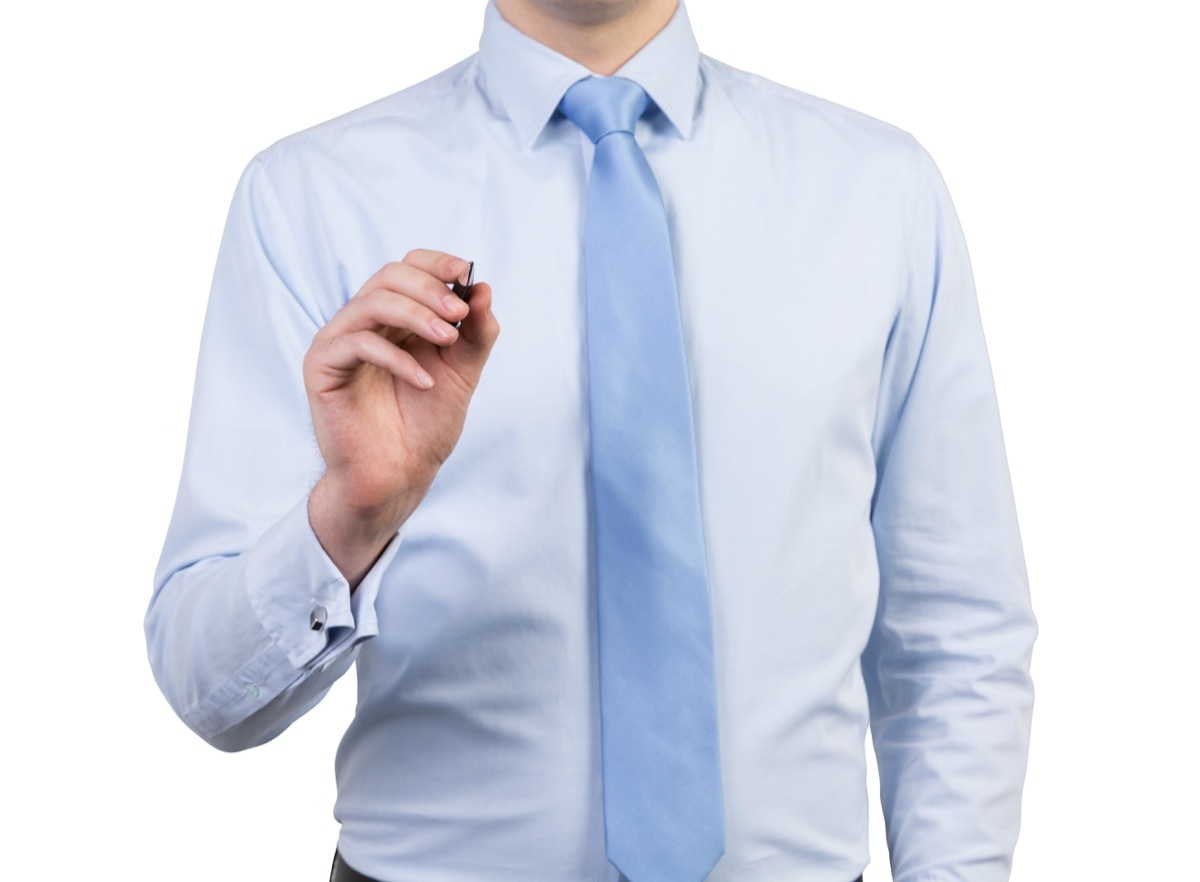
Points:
[(864, 555)]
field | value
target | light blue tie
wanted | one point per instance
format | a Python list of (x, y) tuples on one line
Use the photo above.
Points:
[(664, 820)]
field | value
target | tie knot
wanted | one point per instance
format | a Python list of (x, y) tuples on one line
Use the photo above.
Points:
[(602, 105)]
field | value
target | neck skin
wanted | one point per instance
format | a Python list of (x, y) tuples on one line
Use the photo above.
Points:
[(599, 34)]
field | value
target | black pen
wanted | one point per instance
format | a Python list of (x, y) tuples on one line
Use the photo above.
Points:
[(463, 289)]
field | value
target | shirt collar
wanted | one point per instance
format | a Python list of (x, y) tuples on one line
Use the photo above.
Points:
[(528, 79)]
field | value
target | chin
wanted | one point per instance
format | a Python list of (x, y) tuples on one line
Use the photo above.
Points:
[(593, 11)]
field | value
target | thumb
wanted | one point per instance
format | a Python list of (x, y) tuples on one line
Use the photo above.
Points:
[(476, 335)]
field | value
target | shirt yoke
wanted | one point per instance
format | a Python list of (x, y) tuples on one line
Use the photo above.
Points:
[(418, 108)]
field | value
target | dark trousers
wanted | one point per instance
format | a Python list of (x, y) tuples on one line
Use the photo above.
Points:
[(342, 872)]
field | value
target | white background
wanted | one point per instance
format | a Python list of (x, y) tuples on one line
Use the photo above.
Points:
[(1066, 131)]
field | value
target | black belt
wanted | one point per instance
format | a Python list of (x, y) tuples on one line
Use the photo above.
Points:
[(343, 872)]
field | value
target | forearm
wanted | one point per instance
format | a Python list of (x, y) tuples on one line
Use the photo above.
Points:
[(947, 667), (243, 644), (950, 721)]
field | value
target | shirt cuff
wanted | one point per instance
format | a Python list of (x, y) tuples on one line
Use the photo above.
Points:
[(301, 598)]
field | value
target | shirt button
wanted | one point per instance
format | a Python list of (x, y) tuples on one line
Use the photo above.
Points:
[(250, 690), (316, 621)]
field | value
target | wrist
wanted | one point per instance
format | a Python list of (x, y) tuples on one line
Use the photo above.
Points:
[(353, 528), (364, 508)]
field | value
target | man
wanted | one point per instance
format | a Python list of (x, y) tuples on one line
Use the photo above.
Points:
[(859, 560)]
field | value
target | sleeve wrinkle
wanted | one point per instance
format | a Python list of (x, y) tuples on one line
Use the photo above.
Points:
[(946, 665)]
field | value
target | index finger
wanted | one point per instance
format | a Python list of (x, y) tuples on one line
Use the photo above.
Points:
[(446, 267)]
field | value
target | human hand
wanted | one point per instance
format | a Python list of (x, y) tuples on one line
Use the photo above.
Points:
[(389, 380)]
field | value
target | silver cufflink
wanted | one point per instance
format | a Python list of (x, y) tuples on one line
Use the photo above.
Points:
[(316, 621)]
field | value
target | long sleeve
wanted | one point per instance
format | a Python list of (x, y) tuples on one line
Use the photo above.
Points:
[(947, 665), (242, 579)]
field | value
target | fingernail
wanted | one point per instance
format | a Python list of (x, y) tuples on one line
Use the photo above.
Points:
[(459, 268), (424, 380), (453, 303)]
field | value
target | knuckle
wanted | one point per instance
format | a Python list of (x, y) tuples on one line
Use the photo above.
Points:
[(393, 271), (432, 289), (364, 300), (376, 300), (389, 271), (359, 343)]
